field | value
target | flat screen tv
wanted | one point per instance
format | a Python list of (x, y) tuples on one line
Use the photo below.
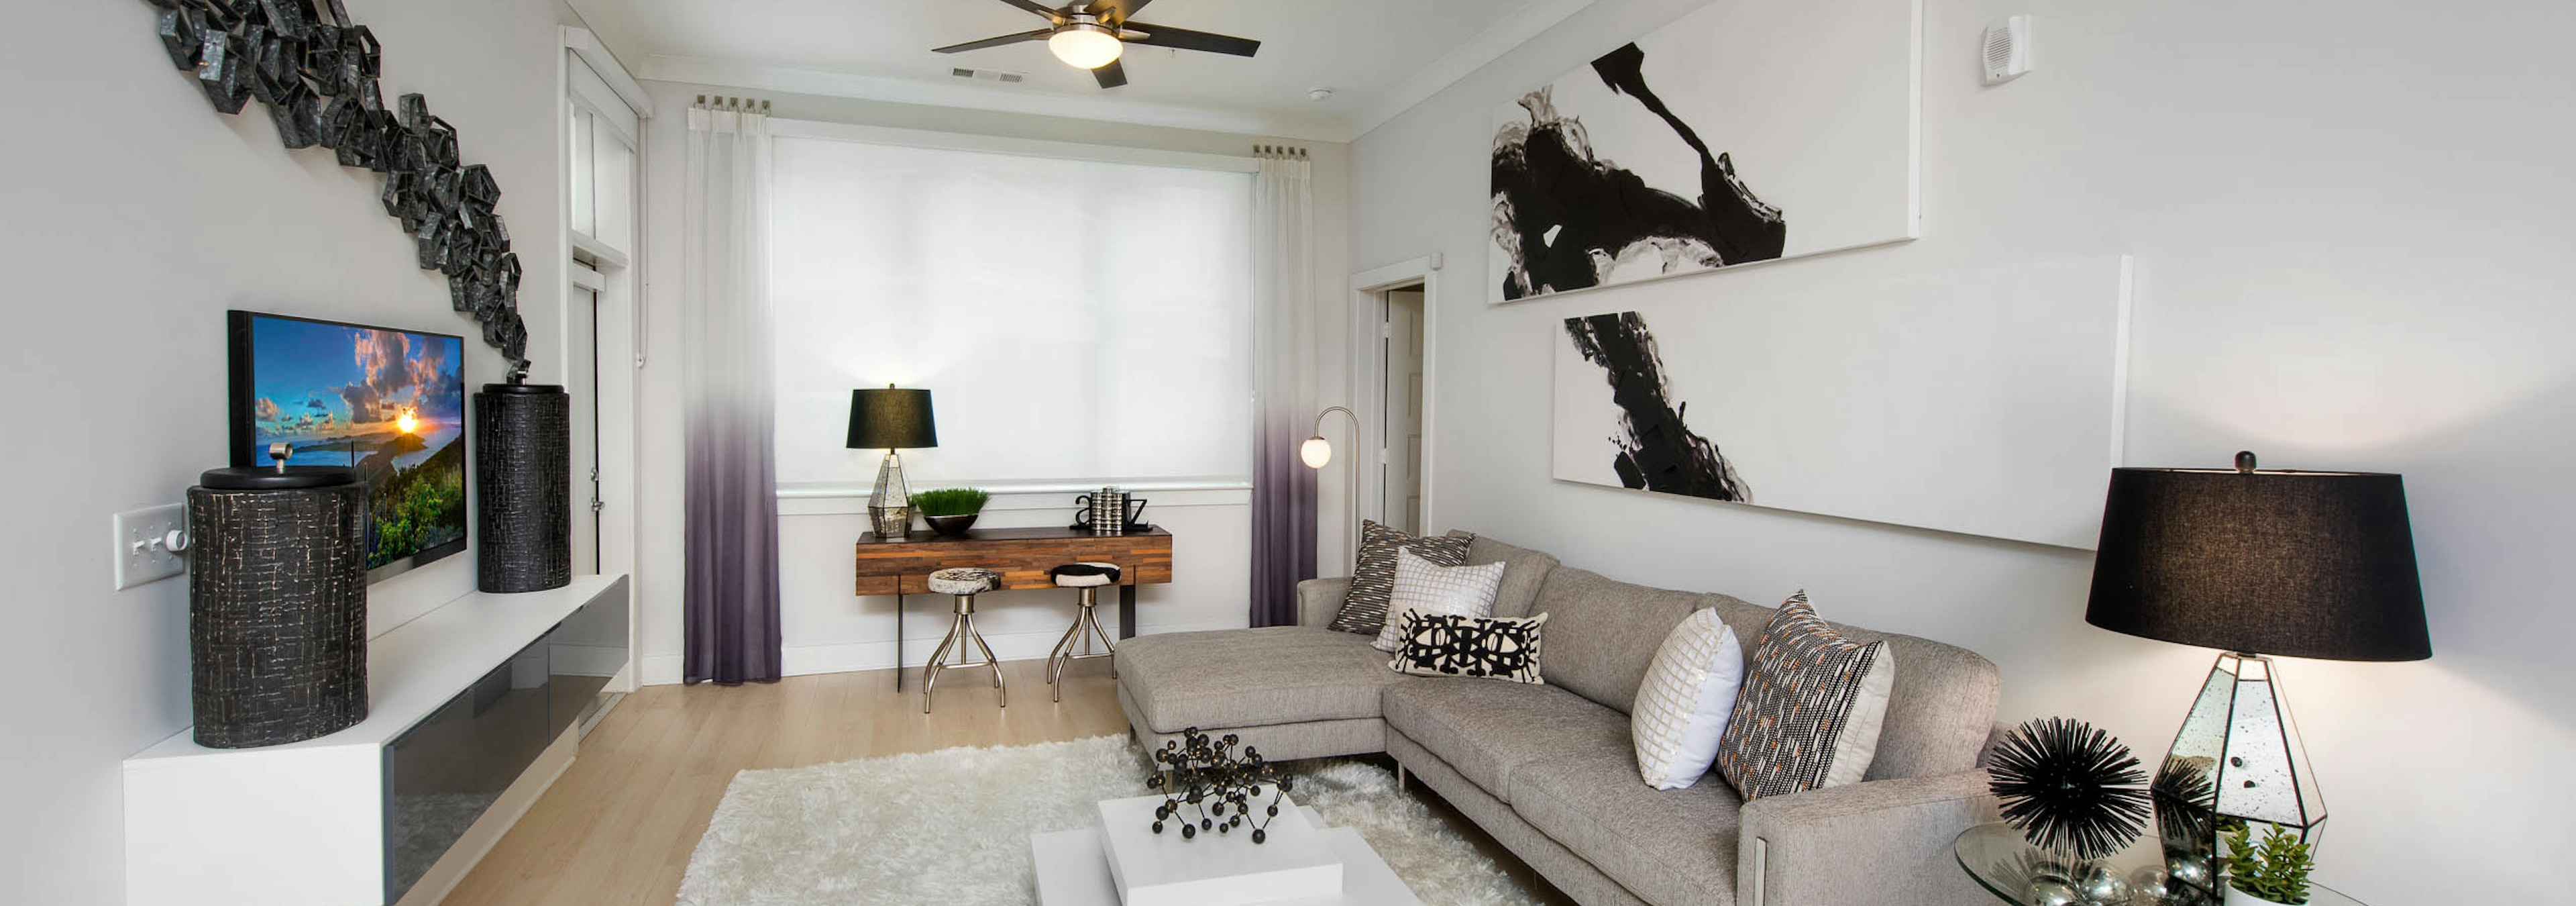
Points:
[(389, 403)]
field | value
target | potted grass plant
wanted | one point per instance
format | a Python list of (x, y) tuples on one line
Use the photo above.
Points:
[(2273, 870), (950, 511)]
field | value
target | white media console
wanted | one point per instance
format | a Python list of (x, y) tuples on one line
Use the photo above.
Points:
[(468, 720)]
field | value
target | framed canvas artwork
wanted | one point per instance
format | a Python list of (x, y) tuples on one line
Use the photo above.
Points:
[(1982, 401), (1748, 131)]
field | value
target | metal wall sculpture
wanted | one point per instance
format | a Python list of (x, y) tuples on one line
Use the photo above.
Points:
[(318, 73)]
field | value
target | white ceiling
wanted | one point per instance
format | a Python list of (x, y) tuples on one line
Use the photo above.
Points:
[(1377, 56)]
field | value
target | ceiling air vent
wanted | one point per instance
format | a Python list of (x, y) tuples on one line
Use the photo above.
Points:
[(989, 75)]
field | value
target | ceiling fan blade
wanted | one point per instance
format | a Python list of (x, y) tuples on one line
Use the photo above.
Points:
[(1038, 35), (1185, 39), (1111, 76), (1031, 6), (1117, 10)]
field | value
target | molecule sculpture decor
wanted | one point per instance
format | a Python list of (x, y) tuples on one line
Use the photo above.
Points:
[(1211, 785)]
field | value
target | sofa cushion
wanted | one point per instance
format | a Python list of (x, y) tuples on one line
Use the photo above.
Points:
[(1373, 577), (1810, 710), (1448, 644), (1601, 632), (1486, 730), (1683, 707), (1523, 570), (1252, 677), (1940, 707), (1423, 587), (1669, 847)]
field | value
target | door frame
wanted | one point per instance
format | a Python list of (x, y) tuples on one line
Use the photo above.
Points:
[(619, 337), (1368, 378)]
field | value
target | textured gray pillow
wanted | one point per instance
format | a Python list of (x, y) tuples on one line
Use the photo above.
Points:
[(1373, 577)]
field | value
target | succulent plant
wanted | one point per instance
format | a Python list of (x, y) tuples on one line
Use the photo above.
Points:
[(2275, 869)]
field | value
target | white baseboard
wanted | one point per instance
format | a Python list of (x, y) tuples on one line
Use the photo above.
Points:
[(851, 657)]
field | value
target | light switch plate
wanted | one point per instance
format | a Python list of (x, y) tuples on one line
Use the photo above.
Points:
[(141, 553)]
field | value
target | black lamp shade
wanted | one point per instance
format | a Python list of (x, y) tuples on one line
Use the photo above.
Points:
[(891, 419), (2298, 564)]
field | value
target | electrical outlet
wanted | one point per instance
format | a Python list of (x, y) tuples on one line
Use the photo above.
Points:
[(143, 544)]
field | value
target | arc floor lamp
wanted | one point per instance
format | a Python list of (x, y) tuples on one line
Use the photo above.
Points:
[(1318, 453)]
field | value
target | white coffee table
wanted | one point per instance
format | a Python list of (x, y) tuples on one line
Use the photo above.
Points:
[(1073, 867)]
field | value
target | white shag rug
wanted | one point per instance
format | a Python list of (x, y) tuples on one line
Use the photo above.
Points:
[(953, 827)]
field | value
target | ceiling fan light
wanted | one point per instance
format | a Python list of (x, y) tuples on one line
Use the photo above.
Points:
[(1085, 46)]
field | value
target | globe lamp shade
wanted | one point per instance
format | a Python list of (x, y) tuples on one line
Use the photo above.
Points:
[(1317, 452), (1085, 46)]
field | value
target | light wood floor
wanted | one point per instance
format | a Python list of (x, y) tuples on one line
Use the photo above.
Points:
[(619, 826)]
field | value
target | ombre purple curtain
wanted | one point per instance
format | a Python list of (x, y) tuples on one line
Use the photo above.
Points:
[(1283, 489), (730, 606)]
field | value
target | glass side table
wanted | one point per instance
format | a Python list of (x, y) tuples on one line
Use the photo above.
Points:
[(2024, 875)]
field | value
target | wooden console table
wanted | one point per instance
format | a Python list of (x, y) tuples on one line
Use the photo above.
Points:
[(1021, 555)]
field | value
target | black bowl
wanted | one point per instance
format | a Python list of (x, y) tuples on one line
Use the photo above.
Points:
[(952, 526)]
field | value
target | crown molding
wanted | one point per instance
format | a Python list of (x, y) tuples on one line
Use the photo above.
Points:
[(1487, 46), (673, 68)]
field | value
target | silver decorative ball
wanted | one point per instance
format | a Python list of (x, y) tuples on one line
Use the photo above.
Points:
[(2147, 886), (2103, 886), (2188, 870), (2053, 893)]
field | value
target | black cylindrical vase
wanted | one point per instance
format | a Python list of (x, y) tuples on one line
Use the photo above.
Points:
[(523, 487), (277, 604)]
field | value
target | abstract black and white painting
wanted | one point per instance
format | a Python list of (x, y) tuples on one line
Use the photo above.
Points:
[(1984, 401), (1748, 131), (1654, 448)]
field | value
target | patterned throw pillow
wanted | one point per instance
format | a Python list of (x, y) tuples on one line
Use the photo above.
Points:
[(1682, 708), (1373, 577), (1448, 644), (1809, 715), (1421, 587)]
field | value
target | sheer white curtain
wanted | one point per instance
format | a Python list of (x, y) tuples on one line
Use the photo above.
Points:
[(1283, 489), (1076, 320), (731, 602)]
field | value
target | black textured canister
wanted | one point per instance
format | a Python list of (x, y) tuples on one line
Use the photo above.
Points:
[(277, 604), (523, 487)]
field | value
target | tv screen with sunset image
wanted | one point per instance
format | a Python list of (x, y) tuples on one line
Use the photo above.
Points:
[(388, 403)]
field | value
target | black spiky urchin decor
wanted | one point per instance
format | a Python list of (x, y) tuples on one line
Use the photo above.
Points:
[(2070, 787)]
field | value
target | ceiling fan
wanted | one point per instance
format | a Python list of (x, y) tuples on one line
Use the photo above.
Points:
[(1091, 35)]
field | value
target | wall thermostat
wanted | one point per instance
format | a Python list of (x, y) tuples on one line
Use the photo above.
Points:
[(2007, 50)]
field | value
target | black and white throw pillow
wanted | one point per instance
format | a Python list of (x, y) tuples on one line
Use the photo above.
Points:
[(1448, 644), (1373, 577), (1809, 713)]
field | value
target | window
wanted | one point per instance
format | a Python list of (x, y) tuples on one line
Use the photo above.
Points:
[(1075, 320)]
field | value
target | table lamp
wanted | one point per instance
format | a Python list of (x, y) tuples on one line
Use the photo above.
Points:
[(891, 420), (2256, 563)]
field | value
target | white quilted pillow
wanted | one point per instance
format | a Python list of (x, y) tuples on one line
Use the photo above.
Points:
[(1683, 706), (1422, 586)]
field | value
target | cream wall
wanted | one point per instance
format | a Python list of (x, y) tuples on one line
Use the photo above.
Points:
[(2348, 258), (825, 627), (132, 218)]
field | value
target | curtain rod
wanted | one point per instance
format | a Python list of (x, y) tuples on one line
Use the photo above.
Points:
[(733, 105), (1279, 151)]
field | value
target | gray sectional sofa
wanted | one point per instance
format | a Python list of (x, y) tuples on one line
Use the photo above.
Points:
[(1550, 771)]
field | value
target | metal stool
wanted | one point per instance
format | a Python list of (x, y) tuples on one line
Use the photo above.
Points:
[(1087, 578), (965, 584)]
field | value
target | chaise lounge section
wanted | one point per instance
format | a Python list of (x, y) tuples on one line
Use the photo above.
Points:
[(1550, 771)]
